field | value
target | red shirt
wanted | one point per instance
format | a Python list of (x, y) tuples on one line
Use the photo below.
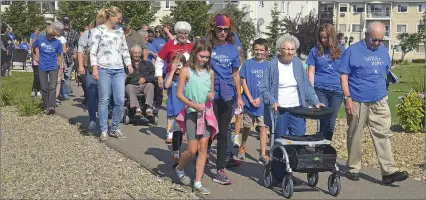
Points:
[(171, 48)]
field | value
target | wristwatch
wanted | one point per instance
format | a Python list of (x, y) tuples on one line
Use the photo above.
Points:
[(347, 97)]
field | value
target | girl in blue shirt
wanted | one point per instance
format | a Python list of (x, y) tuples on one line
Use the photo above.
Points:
[(174, 105), (225, 61), (324, 61)]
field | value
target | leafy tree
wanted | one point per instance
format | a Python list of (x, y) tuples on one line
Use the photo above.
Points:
[(138, 12), (304, 28), (81, 13), (245, 28), (422, 28), (195, 13), (408, 42), (274, 28), (167, 20), (23, 17)]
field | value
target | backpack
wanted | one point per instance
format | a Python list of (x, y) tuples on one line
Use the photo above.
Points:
[(86, 54)]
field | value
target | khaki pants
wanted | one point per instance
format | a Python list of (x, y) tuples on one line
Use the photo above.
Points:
[(378, 119), (147, 89)]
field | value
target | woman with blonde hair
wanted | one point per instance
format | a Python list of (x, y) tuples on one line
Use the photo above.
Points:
[(108, 52), (48, 55)]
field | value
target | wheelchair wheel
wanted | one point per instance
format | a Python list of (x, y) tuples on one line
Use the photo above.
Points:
[(313, 179), (268, 177), (153, 120), (287, 186), (334, 185), (126, 119)]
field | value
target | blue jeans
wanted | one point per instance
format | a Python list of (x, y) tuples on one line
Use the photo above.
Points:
[(330, 99), (110, 80), (287, 124), (66, 83), (92, 95)]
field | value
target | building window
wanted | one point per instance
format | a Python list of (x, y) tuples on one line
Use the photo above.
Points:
[(327, 8), (48, 7), (420, 49), (5, 3), (402, 8), (356, 28), (420, 8), (282, 6), (261, 4), (401, 28), (167, 4), (358, 8), (343, 7), (342, 28)]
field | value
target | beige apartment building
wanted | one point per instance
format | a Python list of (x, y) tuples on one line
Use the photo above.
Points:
[(352, 17)]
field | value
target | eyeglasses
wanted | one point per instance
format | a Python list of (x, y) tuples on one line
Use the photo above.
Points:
[(181, 33), (218, 29), (376, 40)]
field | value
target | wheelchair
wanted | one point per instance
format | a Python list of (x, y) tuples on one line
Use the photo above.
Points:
[(129, 113)]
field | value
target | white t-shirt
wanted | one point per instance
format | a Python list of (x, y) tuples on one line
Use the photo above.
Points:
[(288, 96), (62, 39)]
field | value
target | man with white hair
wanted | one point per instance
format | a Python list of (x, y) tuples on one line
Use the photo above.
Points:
[(364, 67), (141, 81), (181, 44)]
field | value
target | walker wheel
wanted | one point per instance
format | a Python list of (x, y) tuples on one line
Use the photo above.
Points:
[(287, 186), (334, 185), (268, 178), (312, 179)]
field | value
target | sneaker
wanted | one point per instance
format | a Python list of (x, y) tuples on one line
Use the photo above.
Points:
[(92, 125), (202, 190), (38, 94), (221, 178), (237, 141), (104, 136), (264, 160), (242, 154), (33, 94), (149, 112), (233, 163), (353, 176), (395, 177), (117, 133), (138, 112), (185, 180), (51, 111)]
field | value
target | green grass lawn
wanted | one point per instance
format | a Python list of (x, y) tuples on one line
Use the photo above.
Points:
[(409, 73), (16, 91)]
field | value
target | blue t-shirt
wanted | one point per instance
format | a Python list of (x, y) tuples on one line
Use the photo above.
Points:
[(159, 43), (173, 104), (25, 46), (224, 58), (252, 71), (48, 53), (151, 47), (327, 73), (366, 70), (33, 35), (237, 40)]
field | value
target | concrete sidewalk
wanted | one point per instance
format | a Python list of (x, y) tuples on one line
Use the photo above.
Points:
[(146, 145)]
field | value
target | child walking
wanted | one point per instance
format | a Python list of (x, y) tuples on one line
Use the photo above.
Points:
[(199, 122), (174, 105), (252, 74)]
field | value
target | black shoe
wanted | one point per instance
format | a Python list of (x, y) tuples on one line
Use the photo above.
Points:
[(395, 177), (233, 163), (353, 176)]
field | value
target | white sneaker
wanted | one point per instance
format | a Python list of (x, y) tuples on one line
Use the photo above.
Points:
[(33, 94), (117, 133), (104, 136), (236, 141), (92, 125), (39, 94)]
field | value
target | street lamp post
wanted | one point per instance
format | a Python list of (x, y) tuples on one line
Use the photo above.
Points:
[(393, 53)]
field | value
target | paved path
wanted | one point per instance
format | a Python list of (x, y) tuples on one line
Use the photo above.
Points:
[(146, 145)]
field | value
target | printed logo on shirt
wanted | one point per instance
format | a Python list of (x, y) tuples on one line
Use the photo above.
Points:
[(328, 58), (375, 62), (47, 47), (222, 60)]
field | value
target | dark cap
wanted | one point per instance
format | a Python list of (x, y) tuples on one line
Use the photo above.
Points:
[(124, 23), (66, 20)]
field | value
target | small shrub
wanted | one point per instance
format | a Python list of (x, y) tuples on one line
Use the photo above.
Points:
[(411, 112), (6, 96), (418, 61), (418, 85), (405, 62)]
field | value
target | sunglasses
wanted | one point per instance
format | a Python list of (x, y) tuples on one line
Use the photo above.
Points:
[(377, 40), (218, 29)]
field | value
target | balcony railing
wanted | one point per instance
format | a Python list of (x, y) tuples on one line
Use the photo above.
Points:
[(379, 14)]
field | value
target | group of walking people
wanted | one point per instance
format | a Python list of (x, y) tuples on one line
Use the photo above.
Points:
[(209, 82)]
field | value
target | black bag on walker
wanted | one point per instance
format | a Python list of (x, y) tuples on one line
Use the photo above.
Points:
[(304, 159)]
